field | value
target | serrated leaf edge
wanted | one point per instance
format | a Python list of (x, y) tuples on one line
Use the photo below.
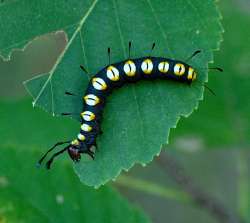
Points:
[(144, 164)]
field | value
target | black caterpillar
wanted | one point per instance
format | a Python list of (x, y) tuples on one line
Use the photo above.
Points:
[(115, 76)]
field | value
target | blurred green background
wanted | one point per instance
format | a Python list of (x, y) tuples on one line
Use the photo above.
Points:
[(212, 145)]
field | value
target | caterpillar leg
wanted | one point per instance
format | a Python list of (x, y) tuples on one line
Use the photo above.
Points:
[(91, 154), (90, 151)]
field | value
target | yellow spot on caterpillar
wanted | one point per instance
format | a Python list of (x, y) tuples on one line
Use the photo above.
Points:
[(129, 68), (190, 73), (179, 69), (194, 76), (163, 67), (91, 99), (86, 127), (88, 115), (147, 66), (81, 137), (113, 73), (99, 83), (75, 142)]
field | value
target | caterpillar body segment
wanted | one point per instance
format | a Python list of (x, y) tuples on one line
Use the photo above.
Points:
[(104, 82), (116, 75)]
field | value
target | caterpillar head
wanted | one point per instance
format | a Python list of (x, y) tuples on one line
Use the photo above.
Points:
[(74, 153), (74, 150)]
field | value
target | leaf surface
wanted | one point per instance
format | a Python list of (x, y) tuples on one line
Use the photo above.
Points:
[(29, 194), (37, 195), (137, 118)]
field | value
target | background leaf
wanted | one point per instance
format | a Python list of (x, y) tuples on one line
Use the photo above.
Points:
[(30, 194), (128, 134), (228, 112), (36, 18)]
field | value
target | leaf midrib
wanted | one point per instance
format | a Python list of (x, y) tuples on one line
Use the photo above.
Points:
[(78, 29)]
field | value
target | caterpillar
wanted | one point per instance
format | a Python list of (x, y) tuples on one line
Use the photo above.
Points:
[(111, 77)]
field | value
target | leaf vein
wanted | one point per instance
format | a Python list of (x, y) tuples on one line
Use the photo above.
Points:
[(84, 55), (124, 52), (160, 26), (52, 99), (65, 50)]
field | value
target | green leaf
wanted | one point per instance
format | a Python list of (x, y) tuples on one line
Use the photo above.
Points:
[(225, 118), (29, 194), (137, 118), (40, 131), (22, 21)]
